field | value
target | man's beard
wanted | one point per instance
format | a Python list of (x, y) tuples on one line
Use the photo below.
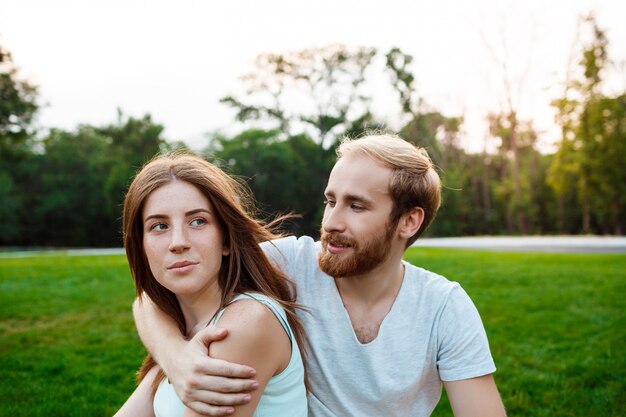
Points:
[(365, 255)]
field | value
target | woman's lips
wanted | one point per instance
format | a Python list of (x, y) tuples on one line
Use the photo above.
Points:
[(181, 267)]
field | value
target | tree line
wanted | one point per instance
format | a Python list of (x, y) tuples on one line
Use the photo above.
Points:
[(65, 188)]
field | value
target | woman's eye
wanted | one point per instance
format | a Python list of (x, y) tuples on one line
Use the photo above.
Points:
[(158, 227), (198, 222)]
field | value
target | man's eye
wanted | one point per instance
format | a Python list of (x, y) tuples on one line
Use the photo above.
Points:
[(329, 203), (356, 207)]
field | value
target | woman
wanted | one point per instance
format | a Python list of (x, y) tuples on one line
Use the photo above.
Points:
[(193, 249)]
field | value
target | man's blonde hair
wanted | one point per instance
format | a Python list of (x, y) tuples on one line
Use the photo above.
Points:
[(414, 182)]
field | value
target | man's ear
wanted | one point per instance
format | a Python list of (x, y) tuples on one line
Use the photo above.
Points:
[(411, 222)]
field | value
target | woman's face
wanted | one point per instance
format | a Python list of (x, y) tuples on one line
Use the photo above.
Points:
[(182, 240)]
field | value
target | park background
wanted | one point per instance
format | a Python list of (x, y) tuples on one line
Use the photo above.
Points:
[(522, 107)]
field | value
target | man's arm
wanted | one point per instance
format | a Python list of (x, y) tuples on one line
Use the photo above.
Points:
[(475, 397), (206, 385)]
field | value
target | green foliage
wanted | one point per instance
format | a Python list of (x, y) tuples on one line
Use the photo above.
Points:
[(327, 83), (68, 184), (554, 322), (66, 188), (402, 78), (18, 106), (8, 209), (283, 175), (76, 184), (588, 166)]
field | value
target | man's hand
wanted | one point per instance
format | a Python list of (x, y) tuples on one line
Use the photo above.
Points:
[(206, 385), (209, 386)]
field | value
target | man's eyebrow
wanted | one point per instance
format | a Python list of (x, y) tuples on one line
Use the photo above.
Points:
[(356, 198), (351, 198)]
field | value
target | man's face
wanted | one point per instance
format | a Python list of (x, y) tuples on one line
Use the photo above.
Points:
[(356, 234)]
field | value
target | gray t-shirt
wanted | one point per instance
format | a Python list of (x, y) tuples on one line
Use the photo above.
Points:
[(432, 333)]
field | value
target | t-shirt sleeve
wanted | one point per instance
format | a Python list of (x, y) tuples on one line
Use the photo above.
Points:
[(463, 351), (281, 252)]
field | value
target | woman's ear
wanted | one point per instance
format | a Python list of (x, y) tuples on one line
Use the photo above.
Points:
[(411, 222)]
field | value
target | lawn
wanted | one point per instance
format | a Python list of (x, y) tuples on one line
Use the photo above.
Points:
[(68, 345), (556, 325)]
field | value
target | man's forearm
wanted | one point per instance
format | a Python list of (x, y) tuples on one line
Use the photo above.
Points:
[(206, 385), (158, 332), (475, 397)]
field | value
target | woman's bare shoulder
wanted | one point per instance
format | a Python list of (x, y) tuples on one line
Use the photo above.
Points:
[(255, 334)]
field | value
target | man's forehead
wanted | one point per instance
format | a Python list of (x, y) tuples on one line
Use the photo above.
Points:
[(359, 177)]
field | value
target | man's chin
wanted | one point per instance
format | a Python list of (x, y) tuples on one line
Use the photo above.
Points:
[(331, 265)]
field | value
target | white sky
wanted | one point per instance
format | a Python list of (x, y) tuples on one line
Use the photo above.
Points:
[(175, 59)]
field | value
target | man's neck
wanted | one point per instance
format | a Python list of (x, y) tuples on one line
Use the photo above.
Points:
[(368, 298), (380, 283)]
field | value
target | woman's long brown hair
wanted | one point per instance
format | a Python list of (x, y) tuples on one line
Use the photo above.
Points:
[(246, 268)]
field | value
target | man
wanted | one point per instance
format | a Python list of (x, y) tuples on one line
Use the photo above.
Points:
[(383, 335)]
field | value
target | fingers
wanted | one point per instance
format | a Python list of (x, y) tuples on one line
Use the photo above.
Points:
[(218, 404), (211, 410), (205, 386), (212, 390), (203, 364), (212, 386), (222, 400), (210, 334), (221, 368)]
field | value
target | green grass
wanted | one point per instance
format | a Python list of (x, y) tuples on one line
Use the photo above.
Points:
[(68, 345), (556, 325)]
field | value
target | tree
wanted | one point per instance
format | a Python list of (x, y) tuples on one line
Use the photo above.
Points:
[(132, 142), (517, 141), (65, 199), (317, 91), (593, 143), (18, 106), (440, 136), (73, 189), (284, 175)]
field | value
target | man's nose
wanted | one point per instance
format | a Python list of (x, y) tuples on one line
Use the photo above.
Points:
[(333, 220)]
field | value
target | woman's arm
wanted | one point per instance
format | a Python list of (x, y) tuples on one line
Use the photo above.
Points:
[(139, 404), (209, 386), (255, 338)]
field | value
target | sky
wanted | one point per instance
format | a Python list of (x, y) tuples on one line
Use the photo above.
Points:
[(176, 59)]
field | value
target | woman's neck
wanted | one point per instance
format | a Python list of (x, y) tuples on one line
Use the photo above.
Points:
[(198, 309)]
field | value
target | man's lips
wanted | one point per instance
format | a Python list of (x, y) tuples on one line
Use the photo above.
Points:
[(335, 249), (336, 245)]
